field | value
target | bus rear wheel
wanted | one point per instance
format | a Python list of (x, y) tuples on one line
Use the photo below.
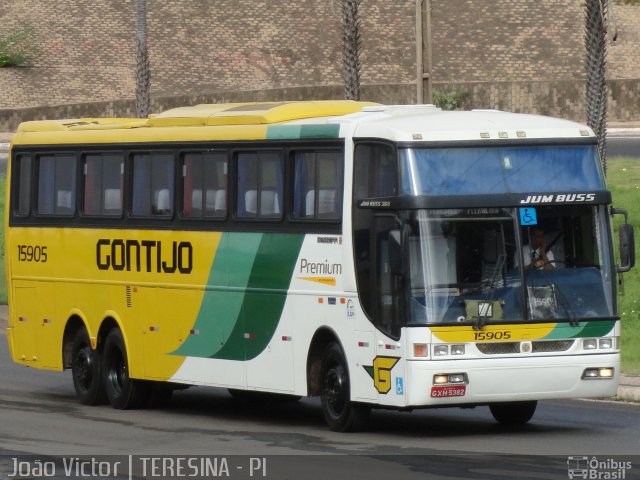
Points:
[(122, 391), (340, 413), (86, 370), (513, 413)]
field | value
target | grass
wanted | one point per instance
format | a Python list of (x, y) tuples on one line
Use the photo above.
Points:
[(623, 179)]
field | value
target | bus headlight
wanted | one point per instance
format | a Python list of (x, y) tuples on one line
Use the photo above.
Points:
[(597, 373), (457, 349), (440, 350), (450, 379), (589, 344), (605, 343)]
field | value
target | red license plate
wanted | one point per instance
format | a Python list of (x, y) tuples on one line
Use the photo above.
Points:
[(448, 391)]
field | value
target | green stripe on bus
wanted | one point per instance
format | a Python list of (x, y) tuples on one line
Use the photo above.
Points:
[(582, 330), (221, 306), (278, 132), (236, 322), (261, 312)]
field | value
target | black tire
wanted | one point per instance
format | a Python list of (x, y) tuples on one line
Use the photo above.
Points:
[(513, 413), (340, 413), (123, 392), (86, 370)]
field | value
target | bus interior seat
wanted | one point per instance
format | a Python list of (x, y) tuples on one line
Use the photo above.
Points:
[(220, 204), (196, 202), (251, 201), (269, 204), (162, 201), (309, 203), (326, 201), (112, 199), (64, 201)]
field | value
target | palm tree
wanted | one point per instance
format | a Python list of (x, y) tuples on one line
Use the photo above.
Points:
[(143, 69), (596, 12), (351, 49)]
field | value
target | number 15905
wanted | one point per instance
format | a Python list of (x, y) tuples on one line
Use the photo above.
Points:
[(32, 253)]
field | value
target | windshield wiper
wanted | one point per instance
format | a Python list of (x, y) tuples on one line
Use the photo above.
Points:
[(481, 320)]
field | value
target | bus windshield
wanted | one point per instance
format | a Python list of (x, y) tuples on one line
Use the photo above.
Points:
[(490, 170), (477, 265)]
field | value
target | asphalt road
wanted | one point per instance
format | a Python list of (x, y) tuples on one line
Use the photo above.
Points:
[(39, 415), (623, 147)]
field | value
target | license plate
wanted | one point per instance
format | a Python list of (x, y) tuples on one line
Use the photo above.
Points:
[(448, 391)]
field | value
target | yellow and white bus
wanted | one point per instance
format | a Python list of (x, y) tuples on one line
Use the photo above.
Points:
[(392, 256)]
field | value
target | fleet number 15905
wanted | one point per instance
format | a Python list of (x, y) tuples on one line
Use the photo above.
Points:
[(499, 335), (32, 253)]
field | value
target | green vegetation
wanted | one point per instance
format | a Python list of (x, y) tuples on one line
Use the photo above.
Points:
[(449, 100), (623, 179), (16, 48)]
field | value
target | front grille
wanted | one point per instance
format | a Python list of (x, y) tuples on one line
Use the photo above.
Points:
[(499, 348), (544, 346), (540, 346)]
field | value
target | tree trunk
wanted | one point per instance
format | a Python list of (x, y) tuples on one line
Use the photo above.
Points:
[(596, 58), (351, 49), (143, 68)]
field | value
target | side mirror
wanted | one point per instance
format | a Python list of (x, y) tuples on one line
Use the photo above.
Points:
[(627, 242), (627, 248)]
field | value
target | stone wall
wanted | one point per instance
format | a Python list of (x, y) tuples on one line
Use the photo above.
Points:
[(624, 53), (511, 54), (507, 40)]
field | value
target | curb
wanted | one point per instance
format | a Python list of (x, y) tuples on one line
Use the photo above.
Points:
[(628, 393)]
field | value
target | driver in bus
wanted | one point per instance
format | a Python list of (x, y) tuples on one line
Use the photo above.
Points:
[(536, 253)]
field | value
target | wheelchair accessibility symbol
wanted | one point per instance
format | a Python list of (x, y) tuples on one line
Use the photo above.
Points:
[(528, 217)]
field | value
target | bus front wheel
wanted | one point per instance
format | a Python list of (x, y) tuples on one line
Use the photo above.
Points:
[(513, 413), (340, 413), (122, 391), (86, 371)]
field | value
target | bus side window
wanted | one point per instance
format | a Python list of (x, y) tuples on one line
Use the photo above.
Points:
[(204, 182), (375, 171), (260, 185), (103, 181), (56, 185), (317, 191), (22, 198), (153, 181)]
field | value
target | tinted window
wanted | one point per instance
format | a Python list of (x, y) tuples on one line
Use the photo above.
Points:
[(23, 175), (153, 184), (204, 177), (56, 185), (317, 192), (260, 185), (375, 171), (103, 180)]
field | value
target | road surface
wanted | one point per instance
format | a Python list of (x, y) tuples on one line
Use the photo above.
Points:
[(39, 415)]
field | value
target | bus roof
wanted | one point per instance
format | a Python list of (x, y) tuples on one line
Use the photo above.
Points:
[(304, 119)]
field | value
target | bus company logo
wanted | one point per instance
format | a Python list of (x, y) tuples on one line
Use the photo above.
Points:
[(144, 256), (380, 371), (596, 469), (559, 198)]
